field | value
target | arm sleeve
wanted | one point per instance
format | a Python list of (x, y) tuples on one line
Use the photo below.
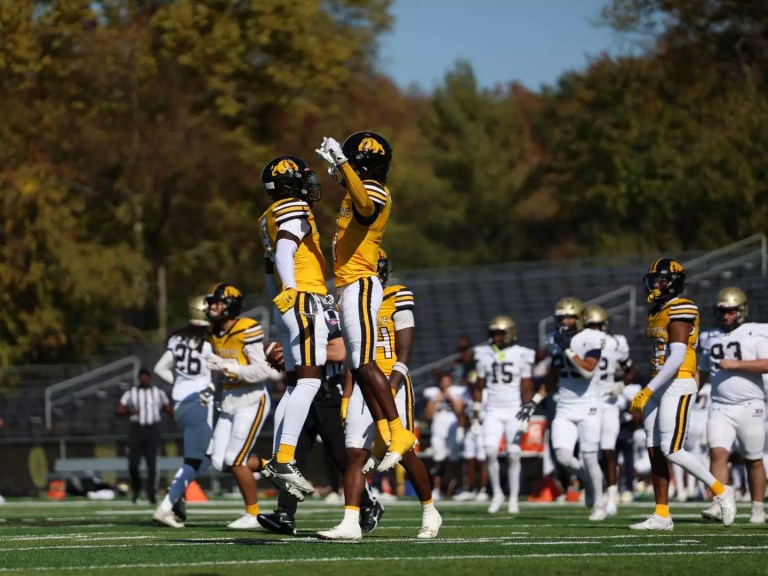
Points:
[(671, 366), (357, 191), (164, 367), (403, 319), (258, 370), (284, 262)]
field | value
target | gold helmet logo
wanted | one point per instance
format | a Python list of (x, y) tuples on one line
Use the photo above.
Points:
[(285, 166), (371, 145)]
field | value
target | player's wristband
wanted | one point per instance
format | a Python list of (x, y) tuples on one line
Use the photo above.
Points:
[(400, 367), (537, 398)]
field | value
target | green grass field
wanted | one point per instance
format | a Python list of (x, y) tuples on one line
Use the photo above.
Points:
[(76, 536)]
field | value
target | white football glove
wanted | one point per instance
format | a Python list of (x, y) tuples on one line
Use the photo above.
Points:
[(206, 394), (330, 151), (217, 363), (476, 427)]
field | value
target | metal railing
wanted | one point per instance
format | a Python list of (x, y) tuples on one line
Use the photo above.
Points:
[(107, 376)]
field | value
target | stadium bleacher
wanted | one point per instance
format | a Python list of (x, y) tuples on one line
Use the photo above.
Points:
[(450, 302)]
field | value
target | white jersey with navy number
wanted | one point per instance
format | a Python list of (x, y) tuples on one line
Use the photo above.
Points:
[(502, 370), (746, 342), (572, 385), (615, 353), (190, 372)]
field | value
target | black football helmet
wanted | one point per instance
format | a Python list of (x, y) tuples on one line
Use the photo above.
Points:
[(383, 267), (290, 177), (369, 154), (664, 280), (232, 298)]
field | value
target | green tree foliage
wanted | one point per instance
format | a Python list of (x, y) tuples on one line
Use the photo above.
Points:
[(134, 133)]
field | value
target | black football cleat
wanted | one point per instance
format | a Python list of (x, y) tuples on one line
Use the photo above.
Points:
[(278, 522), (370, 516)]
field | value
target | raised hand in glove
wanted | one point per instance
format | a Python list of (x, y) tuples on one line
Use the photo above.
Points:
[(286, 300), (206, 394), (640, 400), (331, 152), (526, 411), (563, 339)]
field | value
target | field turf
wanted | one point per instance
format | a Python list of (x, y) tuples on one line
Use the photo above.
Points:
[(76, 536)]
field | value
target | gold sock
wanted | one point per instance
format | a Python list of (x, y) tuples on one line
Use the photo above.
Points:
[(426, 502), (662, 510), (383, 428), (253, 509), (286, 453), (353, 508), (717, 488), (395, 426)]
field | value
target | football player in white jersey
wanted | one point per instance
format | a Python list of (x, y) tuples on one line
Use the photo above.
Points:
[(613, 371), (576, 352), (735, 356), (184, 365), (444, 408), (473, 449), (503, 370)]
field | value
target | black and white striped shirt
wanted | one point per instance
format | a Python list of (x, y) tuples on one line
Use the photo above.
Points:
[(148, 401)]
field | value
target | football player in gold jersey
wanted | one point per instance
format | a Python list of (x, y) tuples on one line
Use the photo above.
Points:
[(295, 277), (238, 346), (394, 349), (361, 164), (665, 403)]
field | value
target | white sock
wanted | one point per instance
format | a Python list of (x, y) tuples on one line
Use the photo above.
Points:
[(492, 462), (351, 515), (595, 474), (297, 408), (279, 415), (513, 474), (692, 465), (613, 492), (757, 505), (181, 480)]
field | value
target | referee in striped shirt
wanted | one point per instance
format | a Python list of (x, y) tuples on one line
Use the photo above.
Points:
[(144, 405)]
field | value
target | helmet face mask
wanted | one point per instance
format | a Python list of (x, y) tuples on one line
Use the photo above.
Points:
[(664, 280), (731, 299), (369, 154), (230, 296), (290, 177), (197, 311), (597, 316), (505, 326), (569, 314), (383, 267)]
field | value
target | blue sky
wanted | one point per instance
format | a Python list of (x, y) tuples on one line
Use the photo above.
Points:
[(529, 41)]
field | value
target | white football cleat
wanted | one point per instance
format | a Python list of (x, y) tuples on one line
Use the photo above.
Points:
[(430, 525), (464, 496), (654, 522), (611, 508), (757, 516), (166, 517), (513, 507), (727, 504), (482, 496), (496, 503), (371, 465), (598, 514), (713, 512), (344, 531), (402, 442), (245, 522)]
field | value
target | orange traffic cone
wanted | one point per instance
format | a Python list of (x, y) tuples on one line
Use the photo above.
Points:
[(195, 493), (56, 490)]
